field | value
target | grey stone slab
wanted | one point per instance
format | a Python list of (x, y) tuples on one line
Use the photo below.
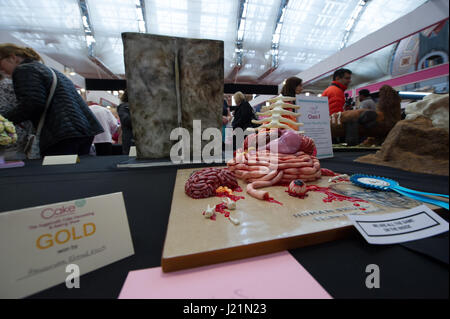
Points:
[(150, 66)]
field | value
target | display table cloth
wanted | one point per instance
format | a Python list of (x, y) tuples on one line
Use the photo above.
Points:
[(411, 270)]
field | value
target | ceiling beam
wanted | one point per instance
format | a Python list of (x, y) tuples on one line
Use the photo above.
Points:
[(276, 36), (103, 67), (354, 19), (242, 18), (142, 19), (265, 74), (90, 38), (233, 74), (88, 29), (239, 44)]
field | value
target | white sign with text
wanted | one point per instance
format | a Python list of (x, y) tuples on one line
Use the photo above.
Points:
[(36, 244), (315, 116), (61, 160), (408, 225)]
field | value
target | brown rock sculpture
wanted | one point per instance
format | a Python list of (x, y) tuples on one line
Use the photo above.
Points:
[(414, 145)]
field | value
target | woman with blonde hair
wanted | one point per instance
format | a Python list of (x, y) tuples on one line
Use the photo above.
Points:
[(244, 114), (47, 98)]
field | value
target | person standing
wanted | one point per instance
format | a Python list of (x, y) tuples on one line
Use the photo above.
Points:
[(291, 88), (117, 137), (336, 91), (68, 125), (366, 101), (103, 141), (225, 118), (125, 120), (244, 114)]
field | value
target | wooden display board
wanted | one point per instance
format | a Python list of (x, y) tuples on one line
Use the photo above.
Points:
[(193, 240)]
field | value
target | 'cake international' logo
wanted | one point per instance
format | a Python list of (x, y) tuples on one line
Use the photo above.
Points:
[(80, 203), (49, 212)]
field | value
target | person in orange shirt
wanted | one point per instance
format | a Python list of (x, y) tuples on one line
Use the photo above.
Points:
[(335, 92), (292, 87)]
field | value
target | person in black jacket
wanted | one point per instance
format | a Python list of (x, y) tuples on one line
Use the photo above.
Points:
[(69, 126), (125, 120), (244, 114)]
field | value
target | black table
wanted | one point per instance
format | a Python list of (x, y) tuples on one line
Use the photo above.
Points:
[(338, 266)]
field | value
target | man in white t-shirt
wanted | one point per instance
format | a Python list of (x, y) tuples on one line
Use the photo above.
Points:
[(366, 101), (103, 141)]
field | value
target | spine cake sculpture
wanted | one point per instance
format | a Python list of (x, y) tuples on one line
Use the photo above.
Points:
[(276, 154), (278, 117)]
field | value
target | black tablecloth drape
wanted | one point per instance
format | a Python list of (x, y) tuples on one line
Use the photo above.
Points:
[(415, 270)]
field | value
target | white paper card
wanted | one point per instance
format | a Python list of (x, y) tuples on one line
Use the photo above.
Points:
[(408, 225), (315, 115), (60, 159), (37, 244), (132, 151)]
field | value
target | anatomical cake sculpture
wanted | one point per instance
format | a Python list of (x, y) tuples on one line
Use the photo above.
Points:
[(277, 154)]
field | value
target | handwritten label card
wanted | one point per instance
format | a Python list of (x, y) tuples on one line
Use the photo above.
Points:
[(412, 224), (36, 244)]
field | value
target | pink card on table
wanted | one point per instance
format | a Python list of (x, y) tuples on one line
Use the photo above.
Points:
[(275, 276)]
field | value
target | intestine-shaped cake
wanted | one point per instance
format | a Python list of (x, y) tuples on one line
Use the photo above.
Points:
[(277, 154)]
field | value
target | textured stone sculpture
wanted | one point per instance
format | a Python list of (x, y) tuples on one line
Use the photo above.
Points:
[(414, 145), (171, 82), (419, 143), (434, 106)]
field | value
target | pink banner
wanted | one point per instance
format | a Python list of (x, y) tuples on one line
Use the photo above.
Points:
[(418, 76)]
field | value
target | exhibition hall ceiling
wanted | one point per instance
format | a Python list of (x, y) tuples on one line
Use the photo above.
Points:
[(274, 39)]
